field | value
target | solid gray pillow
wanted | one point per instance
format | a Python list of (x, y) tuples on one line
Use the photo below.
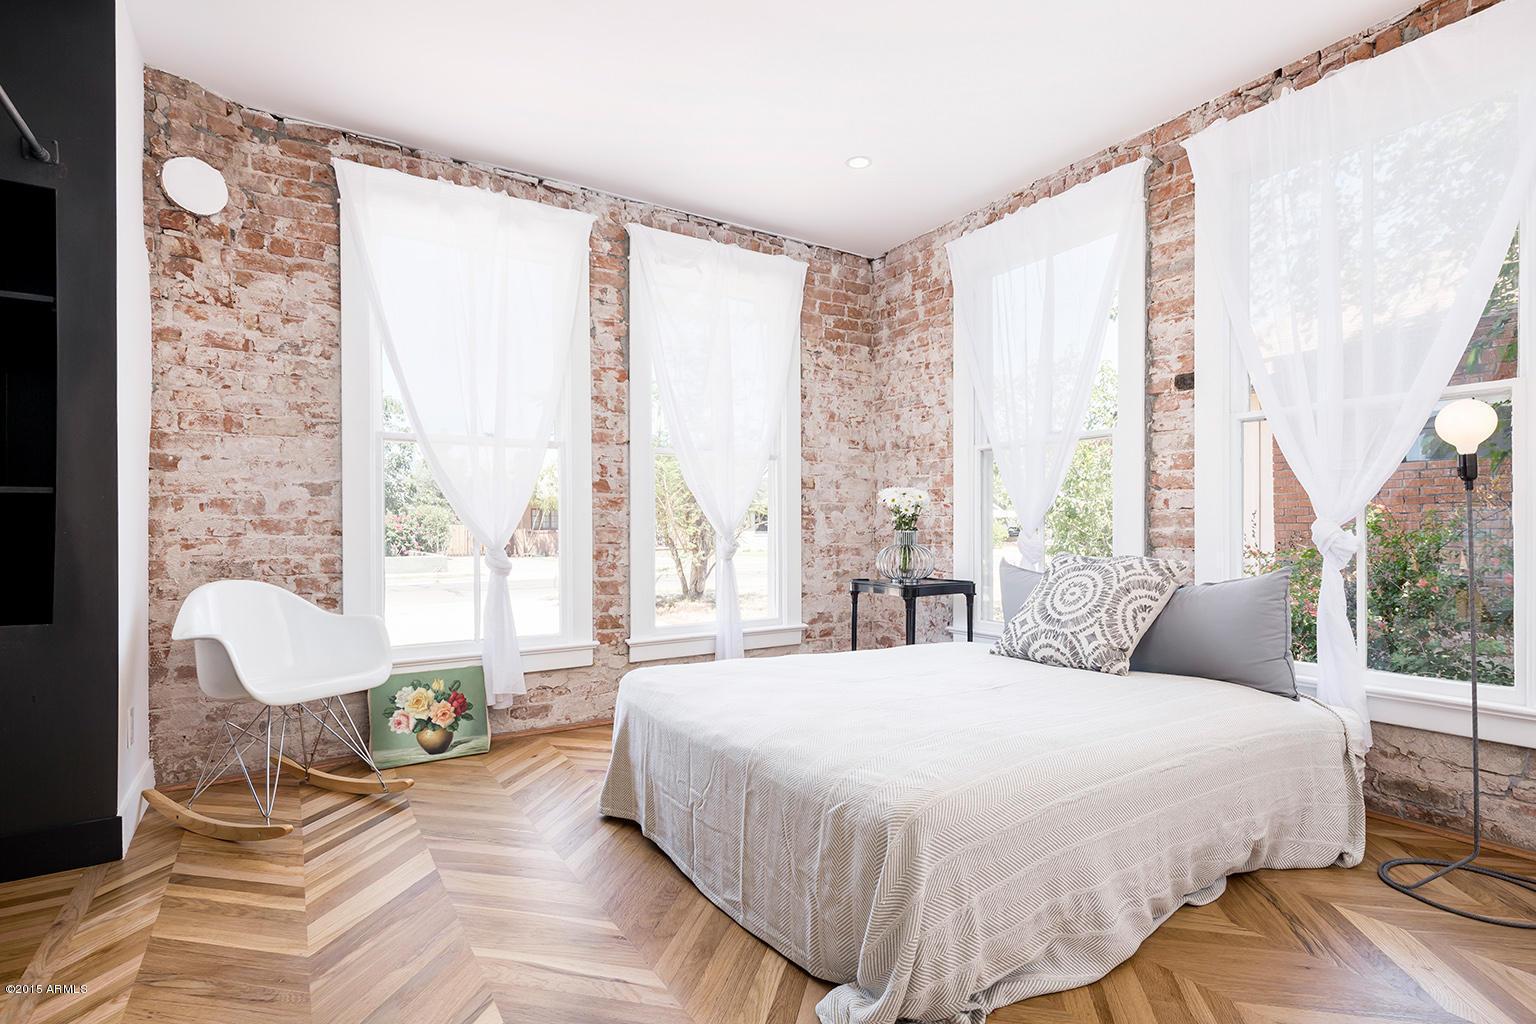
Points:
[(1016, 583), (1237, 630)]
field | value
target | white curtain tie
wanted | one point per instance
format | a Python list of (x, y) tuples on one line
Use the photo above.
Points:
[(498, 562), (1336, 544), (728, 549), (1032, 547)]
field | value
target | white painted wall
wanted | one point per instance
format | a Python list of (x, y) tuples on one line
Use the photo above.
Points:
[(134, 770)]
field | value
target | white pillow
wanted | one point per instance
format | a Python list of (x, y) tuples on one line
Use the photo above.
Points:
[(1090, 613)]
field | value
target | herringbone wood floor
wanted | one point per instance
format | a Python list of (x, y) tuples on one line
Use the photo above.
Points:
[(494, 892)]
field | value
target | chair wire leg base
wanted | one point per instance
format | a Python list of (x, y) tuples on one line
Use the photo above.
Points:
[(342, 727), (331, 716), (236, 743), (266, 733)]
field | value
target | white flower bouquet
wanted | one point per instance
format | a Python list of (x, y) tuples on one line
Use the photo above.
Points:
[(905, 504)]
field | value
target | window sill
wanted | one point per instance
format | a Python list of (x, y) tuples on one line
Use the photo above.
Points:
[(692, 645), (540, 658), (1498, 723), (1435, 712)]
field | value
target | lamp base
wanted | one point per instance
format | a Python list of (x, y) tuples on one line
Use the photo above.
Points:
[(1445, 867), (1466, 468)]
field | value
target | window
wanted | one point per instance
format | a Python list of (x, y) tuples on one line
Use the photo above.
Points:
[(1408, 587), (672, 546), (1032, 292), (1100, 508), (408, 558)]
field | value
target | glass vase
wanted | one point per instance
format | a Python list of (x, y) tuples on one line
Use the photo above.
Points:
[(905, 561)]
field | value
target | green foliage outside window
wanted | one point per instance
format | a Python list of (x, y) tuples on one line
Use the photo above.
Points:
[(422, 530), (1081, 520), (417, 517), (408, 483), (1416, 574), (684, 533), (545, 502), (1417, 598)]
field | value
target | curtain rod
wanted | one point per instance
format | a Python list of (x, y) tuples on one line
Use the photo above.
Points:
[(30, 147)]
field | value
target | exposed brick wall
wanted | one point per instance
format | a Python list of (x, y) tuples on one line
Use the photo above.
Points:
[(1426, 776), (245, 449), (1413, 489), (246, 456), (911, 418)]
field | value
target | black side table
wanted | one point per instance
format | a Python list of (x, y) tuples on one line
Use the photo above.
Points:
[(910, 592)]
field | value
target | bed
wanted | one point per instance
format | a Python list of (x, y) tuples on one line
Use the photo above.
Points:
[(942, 831)]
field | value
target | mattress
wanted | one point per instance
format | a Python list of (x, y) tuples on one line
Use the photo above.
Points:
[(942, 831)]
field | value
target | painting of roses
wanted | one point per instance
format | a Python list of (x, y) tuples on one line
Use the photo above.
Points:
[(427, 715)]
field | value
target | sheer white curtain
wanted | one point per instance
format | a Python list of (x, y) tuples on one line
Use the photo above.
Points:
[(478, 299), (722, 327), (1355, 229), (1032, 299)]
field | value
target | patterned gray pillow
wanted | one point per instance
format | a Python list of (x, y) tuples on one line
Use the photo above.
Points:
[(1090, 613)]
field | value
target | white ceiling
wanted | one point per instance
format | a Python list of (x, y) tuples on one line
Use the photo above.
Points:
[(746, 111)]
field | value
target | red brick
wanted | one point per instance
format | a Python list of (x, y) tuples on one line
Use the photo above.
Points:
[(245, 460)]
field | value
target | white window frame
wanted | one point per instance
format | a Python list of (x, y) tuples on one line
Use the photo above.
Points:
[(647, 640), (972, 525), (362, 500), (1508, 714)]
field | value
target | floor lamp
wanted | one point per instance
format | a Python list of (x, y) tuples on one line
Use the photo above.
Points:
[(1464, 424)]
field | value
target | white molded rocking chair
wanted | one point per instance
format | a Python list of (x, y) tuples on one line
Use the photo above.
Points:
[(255, 641)]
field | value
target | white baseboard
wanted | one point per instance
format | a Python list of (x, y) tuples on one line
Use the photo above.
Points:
[(130, 805)]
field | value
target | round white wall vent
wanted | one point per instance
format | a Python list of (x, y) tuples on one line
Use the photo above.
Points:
[(193, 185)]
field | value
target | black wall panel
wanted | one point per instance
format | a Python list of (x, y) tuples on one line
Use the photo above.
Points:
[(58, 677)]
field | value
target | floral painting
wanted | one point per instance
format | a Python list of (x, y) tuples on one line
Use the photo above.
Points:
[(427, 715)]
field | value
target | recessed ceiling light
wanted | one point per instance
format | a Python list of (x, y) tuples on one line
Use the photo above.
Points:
[(859, 162)]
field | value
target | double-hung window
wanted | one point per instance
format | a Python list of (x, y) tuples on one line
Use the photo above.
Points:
[(1100, 508), (1407, 588), (672, 547), (406, 555)]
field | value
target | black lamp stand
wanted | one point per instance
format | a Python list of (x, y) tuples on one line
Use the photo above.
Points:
[(1466, 469)]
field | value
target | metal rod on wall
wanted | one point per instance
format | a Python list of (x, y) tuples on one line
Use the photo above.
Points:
[(30, 147)]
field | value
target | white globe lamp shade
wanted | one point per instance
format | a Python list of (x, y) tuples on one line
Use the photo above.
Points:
[(1465, 424), (194, 186)]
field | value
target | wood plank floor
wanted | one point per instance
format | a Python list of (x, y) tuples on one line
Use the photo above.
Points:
[(494, 892)]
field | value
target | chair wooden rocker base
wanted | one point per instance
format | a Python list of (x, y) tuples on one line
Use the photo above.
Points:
[(332, 717), (258, 642)]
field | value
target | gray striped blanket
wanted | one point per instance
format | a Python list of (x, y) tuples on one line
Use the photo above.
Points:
[(943, 832)]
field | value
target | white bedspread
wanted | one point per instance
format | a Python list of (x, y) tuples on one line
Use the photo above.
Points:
[(945, 831)]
